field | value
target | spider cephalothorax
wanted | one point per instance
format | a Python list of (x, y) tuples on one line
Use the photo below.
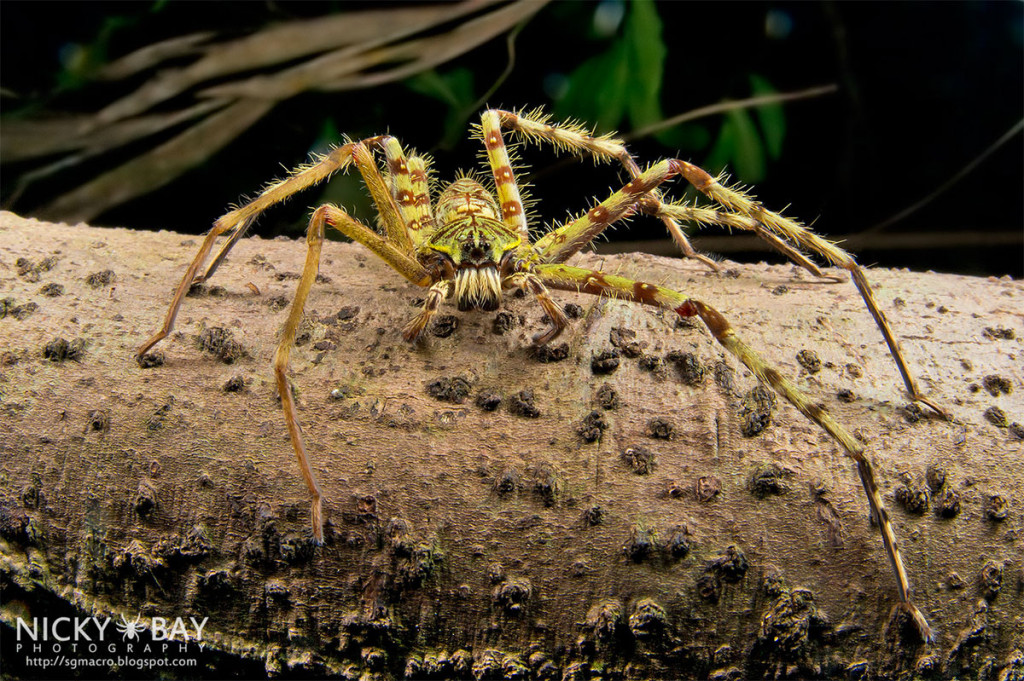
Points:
[(474, 244), (471, 246)]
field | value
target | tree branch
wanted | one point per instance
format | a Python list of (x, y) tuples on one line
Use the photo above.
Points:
[(623, 527)]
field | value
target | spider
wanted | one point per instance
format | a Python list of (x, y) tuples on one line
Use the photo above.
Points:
[(474, 244), (129, 630)]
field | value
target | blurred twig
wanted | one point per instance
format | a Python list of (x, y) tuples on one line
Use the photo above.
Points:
[(348, 51)]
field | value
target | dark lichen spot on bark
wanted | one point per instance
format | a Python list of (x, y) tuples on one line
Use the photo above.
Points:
[(725, 377), (648, 622), (997, 385), (592, 426), (488, 401), (52, 290), (997, 508), (780, 290), (769, 480), (756, 410), (607, 397), (98, 421), (220, 343), (912, 413), (277, 303), (549, 353), (150, 360), (503, 323), (193, 547), (730, 566), (547, 486), (145, 500), (854, 370), (707, 488), (809, 360), (158, 419), (573, 310), (507, 482), (445, 325), (911, 496), (1016, 430), (605, 362), (604, 621), (996, 416), (948, 505), (235, 384), (594, 516), (449, 389), (935, 477), (642, 543), (846, 395), (791, 627), (216, 585), (649, 363), (998, 333), (521, 404), (991, 579), (624, 340), (640, 459), (100, 279), (60, 350), (513, 595), (679, 542), (13, 524), (19, 312), (661, 429), (688, 366)]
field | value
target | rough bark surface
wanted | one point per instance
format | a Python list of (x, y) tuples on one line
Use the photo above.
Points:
[(493, 512)]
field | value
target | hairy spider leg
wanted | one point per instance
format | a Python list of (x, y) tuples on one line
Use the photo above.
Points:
[(400, 261), (528, 281), (736, 200), (708, 216), (510, 200), (438, 292), (411, 190), (773, 227), (535, 126), (598, 283), (239, 220)]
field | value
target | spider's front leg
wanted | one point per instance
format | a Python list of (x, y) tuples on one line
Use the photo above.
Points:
[(393, 256), (598, 283), (743, 212)]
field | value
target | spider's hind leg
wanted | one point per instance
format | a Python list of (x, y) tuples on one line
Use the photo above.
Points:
[(598, 283), (777, 228)]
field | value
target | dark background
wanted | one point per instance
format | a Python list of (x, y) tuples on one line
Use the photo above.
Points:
[(923, 89)]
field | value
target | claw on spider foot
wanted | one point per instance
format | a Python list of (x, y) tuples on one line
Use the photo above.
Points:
[(923, 628), (545, 337), (932, 405)]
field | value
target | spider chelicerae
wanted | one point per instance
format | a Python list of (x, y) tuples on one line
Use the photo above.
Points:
[(473, 243)]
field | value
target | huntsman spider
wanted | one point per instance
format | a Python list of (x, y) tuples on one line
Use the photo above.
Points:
[(474, 244)]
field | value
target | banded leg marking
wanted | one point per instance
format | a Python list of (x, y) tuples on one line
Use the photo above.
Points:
[(410, 190), (598, 283), (510, 199), (536, 127)]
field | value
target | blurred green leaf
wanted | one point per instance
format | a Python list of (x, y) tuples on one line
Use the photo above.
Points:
[(598, 90), (771, 117), (646, 52), (748, 151)]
